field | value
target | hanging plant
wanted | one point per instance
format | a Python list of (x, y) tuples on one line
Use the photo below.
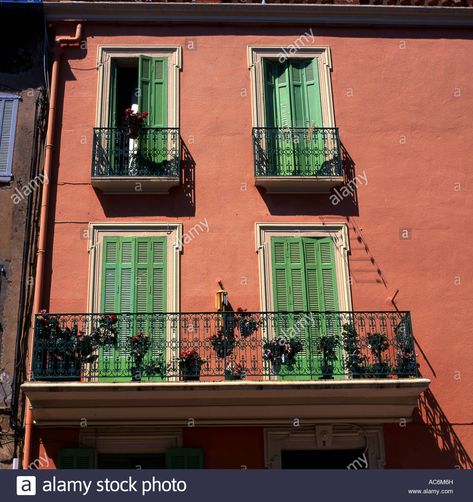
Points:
[(223, 342), (247, 322)]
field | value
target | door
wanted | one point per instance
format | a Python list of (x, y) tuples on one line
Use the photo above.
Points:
[(153, 98), (305, 287), (134, 286), (293, 109)]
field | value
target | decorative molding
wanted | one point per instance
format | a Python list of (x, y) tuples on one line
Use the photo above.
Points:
[(342, 437), (105, 55), (321, 54), (130, 440), (98, 230), (305, 14), (337, 231)]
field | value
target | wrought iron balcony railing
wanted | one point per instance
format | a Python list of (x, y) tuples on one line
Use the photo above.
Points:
[(296, 151), (153, 152), (229, 346)]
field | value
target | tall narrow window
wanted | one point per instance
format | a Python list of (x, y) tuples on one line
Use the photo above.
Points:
[(305, 287), (8, 112), (133, 285), (293, 113)]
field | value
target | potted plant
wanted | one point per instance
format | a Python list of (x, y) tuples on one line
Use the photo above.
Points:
[(327, 345), (235, 371), (281, 352), (247, 323), (134, 122), (139, 346), (190, 364), (378, 343), (223, 342), (355, 361)]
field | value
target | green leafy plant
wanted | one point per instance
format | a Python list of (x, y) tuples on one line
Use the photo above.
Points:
[(327, 345), (355, 360), (378, 343)]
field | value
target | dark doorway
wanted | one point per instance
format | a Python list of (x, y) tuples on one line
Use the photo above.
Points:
[(323, 459), (132, 461)]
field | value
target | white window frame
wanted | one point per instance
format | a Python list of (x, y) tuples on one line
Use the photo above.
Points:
[(173, 232), (130, 439), (320, 54), (105, 56), (338, 232), (7, 175), (326, 437)]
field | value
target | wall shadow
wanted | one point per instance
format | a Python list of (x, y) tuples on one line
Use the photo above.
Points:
[(449, 447)]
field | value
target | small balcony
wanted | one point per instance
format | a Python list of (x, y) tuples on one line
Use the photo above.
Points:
[(147, 163), (297, 160), (252, 367)]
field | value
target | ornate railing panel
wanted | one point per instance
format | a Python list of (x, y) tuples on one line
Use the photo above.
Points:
[(153, 152), (296, 151), (230, 346)]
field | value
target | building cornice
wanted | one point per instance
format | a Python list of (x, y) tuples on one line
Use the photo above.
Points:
[(293, 14)]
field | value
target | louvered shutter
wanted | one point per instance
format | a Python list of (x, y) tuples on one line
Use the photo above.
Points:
[(76, 458), (185, 458), (8, 113)]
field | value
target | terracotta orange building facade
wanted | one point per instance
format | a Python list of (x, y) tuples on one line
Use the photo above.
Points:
[(271, 269)]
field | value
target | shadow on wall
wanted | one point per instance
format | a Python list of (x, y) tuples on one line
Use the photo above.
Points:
[(179, 202), (429, 442), (431, 416), (342, 201)]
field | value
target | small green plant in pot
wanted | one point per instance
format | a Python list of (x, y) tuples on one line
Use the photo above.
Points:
[(139, 346), (355, 360), (327, 345), (190, 364), (378, 343)]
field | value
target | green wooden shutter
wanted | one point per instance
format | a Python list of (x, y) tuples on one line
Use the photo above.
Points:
[(314, 296), (76, 458), (328, 279), (185, 458), (281, 288), (153, 85), (133, 282)]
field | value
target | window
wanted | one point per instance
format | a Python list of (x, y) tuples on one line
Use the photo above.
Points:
[(145, 80), (8, 112), (296, 145), (134, 282), (76, 458)]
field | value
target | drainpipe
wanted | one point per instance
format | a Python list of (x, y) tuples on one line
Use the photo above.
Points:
[(44, 217)]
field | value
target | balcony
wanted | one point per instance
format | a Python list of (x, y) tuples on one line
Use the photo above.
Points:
[(297, 160), (251, 365), (149, 163)]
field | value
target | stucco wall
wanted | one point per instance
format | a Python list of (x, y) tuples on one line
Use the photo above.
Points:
[(403, 103)]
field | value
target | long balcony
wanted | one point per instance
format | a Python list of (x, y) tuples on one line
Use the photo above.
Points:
[(246, 366), (223, 346), (147, 160), (302, 160)]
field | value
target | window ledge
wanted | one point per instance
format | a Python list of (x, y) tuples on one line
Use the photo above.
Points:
[(298, 184), (135, 184)]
